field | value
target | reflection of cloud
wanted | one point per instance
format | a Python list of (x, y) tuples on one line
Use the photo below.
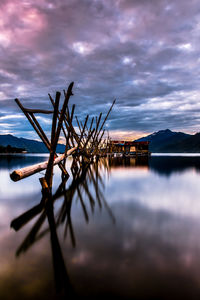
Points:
[(142, 242), (83, 258), (153, 243), (157, 192)]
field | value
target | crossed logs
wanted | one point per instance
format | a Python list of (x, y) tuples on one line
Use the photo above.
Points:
[(84, 145)]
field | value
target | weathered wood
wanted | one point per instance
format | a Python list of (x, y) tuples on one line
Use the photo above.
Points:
[(72, 113), (32, 123), (67, 118), (49, 170), (63, 130), (88, 138), (78, 124), (98, 143), (70, 127), (39, 132), (70, 118), (90, 129), (83, 130), (62, 114), (28, 171), (39, 128), (106, 117), (97, 124), (71, 131), (87, 142), (39, 111)]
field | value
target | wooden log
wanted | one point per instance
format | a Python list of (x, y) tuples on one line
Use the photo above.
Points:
[(39, 130), (90, 129), (88, 138), (38, 111), (49, 170), (106, 118), (70, 128), (62, 114), (63, 130), (78, 124), (27, 171), (67, 118), (47, 144), (83, 130), (97, 124)]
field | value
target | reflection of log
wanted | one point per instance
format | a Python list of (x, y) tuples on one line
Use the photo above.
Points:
[(27, 171)]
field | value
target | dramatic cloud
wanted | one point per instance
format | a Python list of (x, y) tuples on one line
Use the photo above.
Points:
[(144, 53)]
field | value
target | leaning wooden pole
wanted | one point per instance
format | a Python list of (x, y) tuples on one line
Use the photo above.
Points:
[(106, 118), (37, 127), (24, 110), (49, 170), (28, 171)]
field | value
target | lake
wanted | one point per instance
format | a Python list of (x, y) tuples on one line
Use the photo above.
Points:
[(126, 228)]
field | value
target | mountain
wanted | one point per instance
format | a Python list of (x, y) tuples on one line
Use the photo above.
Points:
[(163, 141), (191, 144), (170, 141), (31, 146)]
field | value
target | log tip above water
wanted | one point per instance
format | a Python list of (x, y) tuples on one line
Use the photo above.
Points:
[(15, 175)]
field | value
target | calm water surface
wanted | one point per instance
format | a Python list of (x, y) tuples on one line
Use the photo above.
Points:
[(127, 229)]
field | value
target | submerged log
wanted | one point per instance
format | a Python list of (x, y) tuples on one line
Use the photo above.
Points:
[(27, 171)]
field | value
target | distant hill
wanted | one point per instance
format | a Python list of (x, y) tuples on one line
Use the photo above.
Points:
[(163, 141), (30, 146), (191, 144), (169, 141), (9, 149)]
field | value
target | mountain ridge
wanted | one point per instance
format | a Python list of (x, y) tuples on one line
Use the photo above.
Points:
[(31, 146), (172, 141), (163, 141)]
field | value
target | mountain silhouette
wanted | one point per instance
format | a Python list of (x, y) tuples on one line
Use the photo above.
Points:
[(30, 146), (166, 141)]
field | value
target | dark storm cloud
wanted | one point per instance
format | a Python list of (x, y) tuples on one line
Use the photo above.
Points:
[(144, 53)]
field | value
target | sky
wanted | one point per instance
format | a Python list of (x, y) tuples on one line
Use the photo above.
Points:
[(143, 53)]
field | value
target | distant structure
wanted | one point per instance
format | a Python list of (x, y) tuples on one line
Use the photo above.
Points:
[(129, 148)]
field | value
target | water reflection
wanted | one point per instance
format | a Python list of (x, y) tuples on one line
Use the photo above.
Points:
[(142, 243), (85, 177), (163, 165), (132, 162), (15, 161), (167, 165)]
